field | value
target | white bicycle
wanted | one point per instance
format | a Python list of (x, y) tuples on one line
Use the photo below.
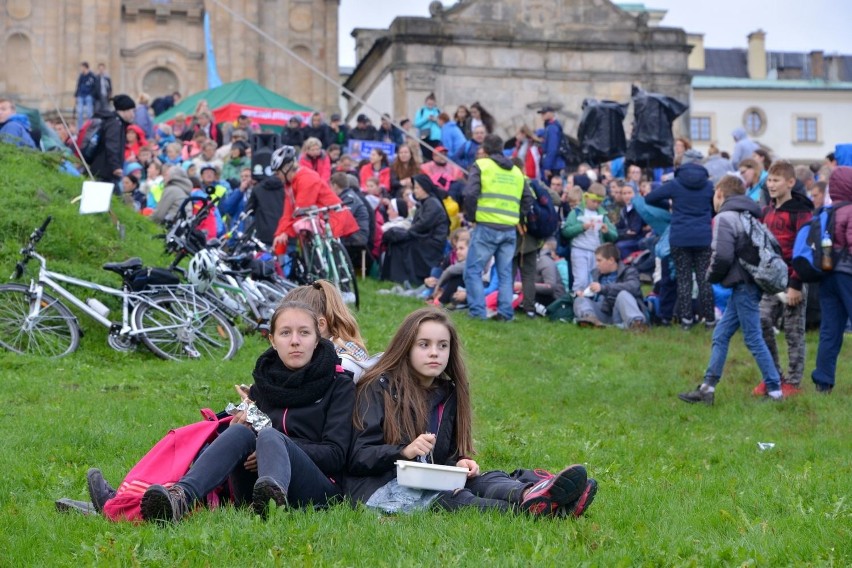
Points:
[(170, 320)]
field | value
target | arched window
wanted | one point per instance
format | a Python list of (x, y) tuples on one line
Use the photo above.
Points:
[(18, 66), (754, 121)]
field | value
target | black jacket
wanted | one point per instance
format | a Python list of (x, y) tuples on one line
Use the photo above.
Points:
[(368, 133), (627, 279), (360, 210), (728, 240), (110, 153), (321, 133), (267, 202), (372, 462), (293, 137), (323, 429)]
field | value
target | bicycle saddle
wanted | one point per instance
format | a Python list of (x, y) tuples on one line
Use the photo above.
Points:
[(134, 263)]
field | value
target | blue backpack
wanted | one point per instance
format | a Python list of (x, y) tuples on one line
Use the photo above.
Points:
[(543, 219), (808, 253)]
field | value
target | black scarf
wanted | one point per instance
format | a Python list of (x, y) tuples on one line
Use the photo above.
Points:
[(276, 386)]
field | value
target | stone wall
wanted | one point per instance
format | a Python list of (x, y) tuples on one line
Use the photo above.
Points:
[(515, 55), (159, 47)]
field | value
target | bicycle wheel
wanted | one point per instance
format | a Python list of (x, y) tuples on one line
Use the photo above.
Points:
[(54, 333), (183, 326), (347, 282)]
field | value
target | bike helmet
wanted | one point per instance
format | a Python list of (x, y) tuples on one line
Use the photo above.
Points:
[(281, 157), (202, 270)]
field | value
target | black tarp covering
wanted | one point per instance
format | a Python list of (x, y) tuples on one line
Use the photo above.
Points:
[(652, 142), (601, 130)]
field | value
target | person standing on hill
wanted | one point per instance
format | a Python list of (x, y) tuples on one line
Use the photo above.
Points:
[(107, 165), (85, 94), (552, 163)]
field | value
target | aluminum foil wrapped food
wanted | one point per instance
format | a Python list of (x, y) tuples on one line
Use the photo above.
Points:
[(254, 416)]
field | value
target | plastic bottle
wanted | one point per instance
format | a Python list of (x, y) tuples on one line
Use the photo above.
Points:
[(96, 305), (827, 262)]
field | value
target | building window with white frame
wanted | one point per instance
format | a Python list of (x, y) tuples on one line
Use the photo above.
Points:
[(700, 129), (806, 129)]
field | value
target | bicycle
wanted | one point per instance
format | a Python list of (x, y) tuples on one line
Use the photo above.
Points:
[(230, 286), (321, 256), (170, 320)]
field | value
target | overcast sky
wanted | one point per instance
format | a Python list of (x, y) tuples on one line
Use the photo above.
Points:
[(790, 25)]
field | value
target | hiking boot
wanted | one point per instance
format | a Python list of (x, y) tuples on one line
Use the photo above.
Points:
[(99, 490), (638, 325), (498, 317), (267, 489), (589, 320), (759, 390), (823, 388), (165, 505), (697, 395), (579, 507), (547, 496), (789, 390)]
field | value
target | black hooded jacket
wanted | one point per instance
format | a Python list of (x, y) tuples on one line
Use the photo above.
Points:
[(267, 202)]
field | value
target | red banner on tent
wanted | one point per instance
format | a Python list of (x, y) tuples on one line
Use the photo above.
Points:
[(260, 115)]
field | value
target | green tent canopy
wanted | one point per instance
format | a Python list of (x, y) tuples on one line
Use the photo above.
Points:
[(247, 97)]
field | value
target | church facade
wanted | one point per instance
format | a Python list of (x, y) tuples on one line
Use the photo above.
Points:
[(513, 56), (158, 46)]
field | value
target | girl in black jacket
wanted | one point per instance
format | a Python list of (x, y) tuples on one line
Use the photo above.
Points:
[(309, 404), (416, 403)]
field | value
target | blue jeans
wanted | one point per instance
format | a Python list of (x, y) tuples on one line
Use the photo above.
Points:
[(84, 110), (486, 242), (743, 311), (835, 302)]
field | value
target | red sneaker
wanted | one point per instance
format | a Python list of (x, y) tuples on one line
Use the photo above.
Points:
[(759, 390), (789, 390), (547, 496)]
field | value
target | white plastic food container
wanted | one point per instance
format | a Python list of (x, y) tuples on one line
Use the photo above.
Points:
[(429, 476)]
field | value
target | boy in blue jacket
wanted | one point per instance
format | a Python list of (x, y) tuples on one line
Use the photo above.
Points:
[(743, 308)]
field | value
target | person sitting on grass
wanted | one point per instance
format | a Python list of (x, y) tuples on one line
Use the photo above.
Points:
[(445, 288), (293, 462), (743, 310), (415, 405), (614, 295)]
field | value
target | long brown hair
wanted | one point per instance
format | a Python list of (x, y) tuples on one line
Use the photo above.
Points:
[(406, 410), (405, 170), (326, 301)]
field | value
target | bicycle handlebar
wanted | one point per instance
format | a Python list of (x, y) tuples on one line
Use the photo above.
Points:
[(35, 237), (313, 210)]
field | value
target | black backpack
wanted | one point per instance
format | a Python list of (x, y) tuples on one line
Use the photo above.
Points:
[(89, 138), (543, 219)]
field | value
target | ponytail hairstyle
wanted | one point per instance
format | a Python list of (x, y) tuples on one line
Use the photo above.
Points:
[(323, 297), (406, 403)]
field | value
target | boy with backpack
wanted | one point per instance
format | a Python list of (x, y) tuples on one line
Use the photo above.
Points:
[(729, 240), (787, 212), (835, 288)]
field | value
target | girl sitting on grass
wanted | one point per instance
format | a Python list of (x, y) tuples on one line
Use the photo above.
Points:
[(414, 403), (309, 404), (336, 324)]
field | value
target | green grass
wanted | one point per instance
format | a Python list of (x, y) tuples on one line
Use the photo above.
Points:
[(679, 485)]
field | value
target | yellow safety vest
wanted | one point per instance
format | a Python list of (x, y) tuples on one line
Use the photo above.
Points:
[(500, 199)]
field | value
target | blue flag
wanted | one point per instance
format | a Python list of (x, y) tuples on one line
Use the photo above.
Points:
[(213, 79)]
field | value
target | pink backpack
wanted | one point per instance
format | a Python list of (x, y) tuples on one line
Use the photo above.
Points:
[(164, 464)]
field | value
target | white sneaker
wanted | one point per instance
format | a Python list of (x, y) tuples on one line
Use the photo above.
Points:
[(541, 309)]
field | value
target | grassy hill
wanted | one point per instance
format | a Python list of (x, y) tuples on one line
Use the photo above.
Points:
[(679, 485)]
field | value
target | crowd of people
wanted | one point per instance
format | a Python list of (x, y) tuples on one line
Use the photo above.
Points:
[(443, 216)]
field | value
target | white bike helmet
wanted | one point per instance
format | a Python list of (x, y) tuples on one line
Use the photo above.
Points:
[(202, 270), (281, 157)]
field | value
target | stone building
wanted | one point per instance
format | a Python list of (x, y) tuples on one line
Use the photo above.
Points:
[(515, 55), (158, 46)]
